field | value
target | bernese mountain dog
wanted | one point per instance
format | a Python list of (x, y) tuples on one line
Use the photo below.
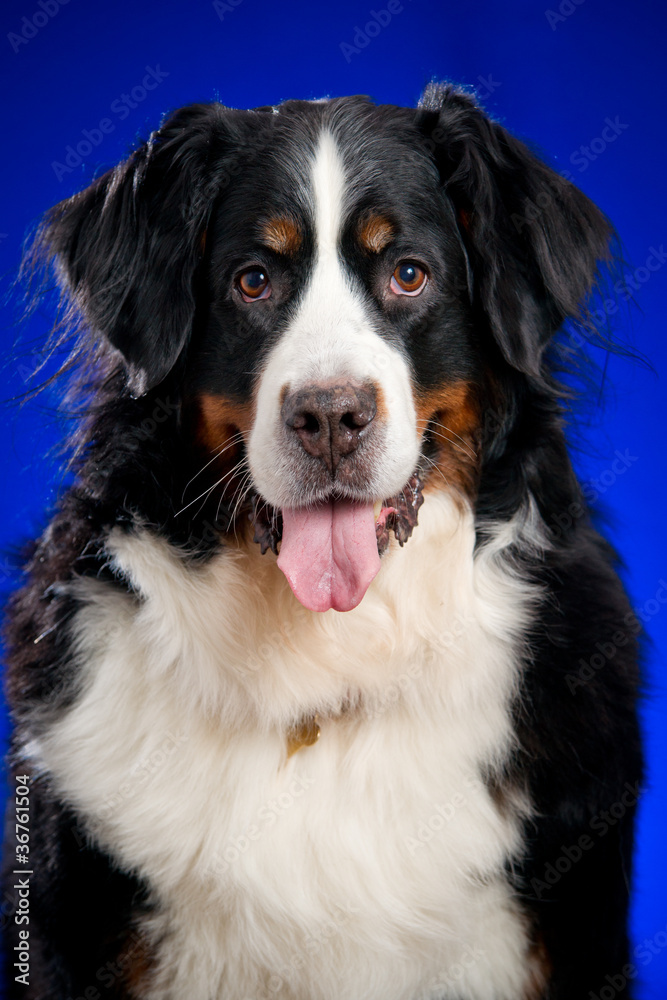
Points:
[(305, 673)]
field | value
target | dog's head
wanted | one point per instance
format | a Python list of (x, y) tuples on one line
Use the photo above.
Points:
[(335, 287)]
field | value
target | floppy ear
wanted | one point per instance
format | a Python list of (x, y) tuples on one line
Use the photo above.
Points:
[(128, 246), (534, 239)]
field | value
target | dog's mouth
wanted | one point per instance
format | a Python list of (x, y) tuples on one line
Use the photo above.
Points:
[(330, 551)]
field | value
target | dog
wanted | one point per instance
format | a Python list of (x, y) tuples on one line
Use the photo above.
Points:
[(304, 674)]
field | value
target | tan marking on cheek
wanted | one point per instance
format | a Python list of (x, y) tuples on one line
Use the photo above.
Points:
[(135, 964), (375, 232), (453, 415), (282, 235), (219, 418), (220, 428)]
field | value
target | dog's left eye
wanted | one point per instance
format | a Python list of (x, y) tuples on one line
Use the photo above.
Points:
[(254, 284), (408, 279)]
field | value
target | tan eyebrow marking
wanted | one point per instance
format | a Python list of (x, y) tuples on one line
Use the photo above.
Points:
[(282, 235), (375, 232)]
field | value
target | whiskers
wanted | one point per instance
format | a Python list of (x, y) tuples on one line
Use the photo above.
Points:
[(239, 496), (439, 430), (429, 427), (231, 442), (436, 468), (239, 469)]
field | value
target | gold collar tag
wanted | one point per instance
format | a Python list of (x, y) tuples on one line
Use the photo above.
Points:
[(303, 735)]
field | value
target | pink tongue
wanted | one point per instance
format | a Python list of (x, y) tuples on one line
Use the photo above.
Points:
[(329, 554)]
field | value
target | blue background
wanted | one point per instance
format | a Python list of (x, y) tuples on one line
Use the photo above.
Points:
[(551, 77)]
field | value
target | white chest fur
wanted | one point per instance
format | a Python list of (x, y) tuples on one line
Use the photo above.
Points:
[(367, 866)]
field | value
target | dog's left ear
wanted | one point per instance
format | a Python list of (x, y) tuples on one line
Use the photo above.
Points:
[(128, 246), (533, 238)]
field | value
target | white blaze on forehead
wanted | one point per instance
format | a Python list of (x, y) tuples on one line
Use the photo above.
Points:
[(332, 337), (329, 185)]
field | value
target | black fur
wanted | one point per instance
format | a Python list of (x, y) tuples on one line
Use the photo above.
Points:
[(516, 250)]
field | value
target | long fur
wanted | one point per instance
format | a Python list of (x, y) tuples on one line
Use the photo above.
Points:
[(446, 836)]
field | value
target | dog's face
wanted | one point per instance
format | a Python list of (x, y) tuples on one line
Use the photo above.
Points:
[(335, 307), (337, 326), (337, 286)]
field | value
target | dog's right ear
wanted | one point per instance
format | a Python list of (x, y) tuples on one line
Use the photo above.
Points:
[(127, 247)]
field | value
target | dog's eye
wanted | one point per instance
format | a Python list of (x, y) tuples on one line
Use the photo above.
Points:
[(254, 284), (408, 279)]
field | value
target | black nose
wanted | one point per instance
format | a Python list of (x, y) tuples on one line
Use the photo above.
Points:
[(330, 420)]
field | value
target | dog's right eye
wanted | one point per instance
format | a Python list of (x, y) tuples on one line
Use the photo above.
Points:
[(253, 284)]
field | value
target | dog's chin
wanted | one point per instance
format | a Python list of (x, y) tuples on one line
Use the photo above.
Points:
[(330, 548)]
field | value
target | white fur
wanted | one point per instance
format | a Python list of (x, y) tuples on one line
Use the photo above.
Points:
[(332, 338), (370, 865)]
